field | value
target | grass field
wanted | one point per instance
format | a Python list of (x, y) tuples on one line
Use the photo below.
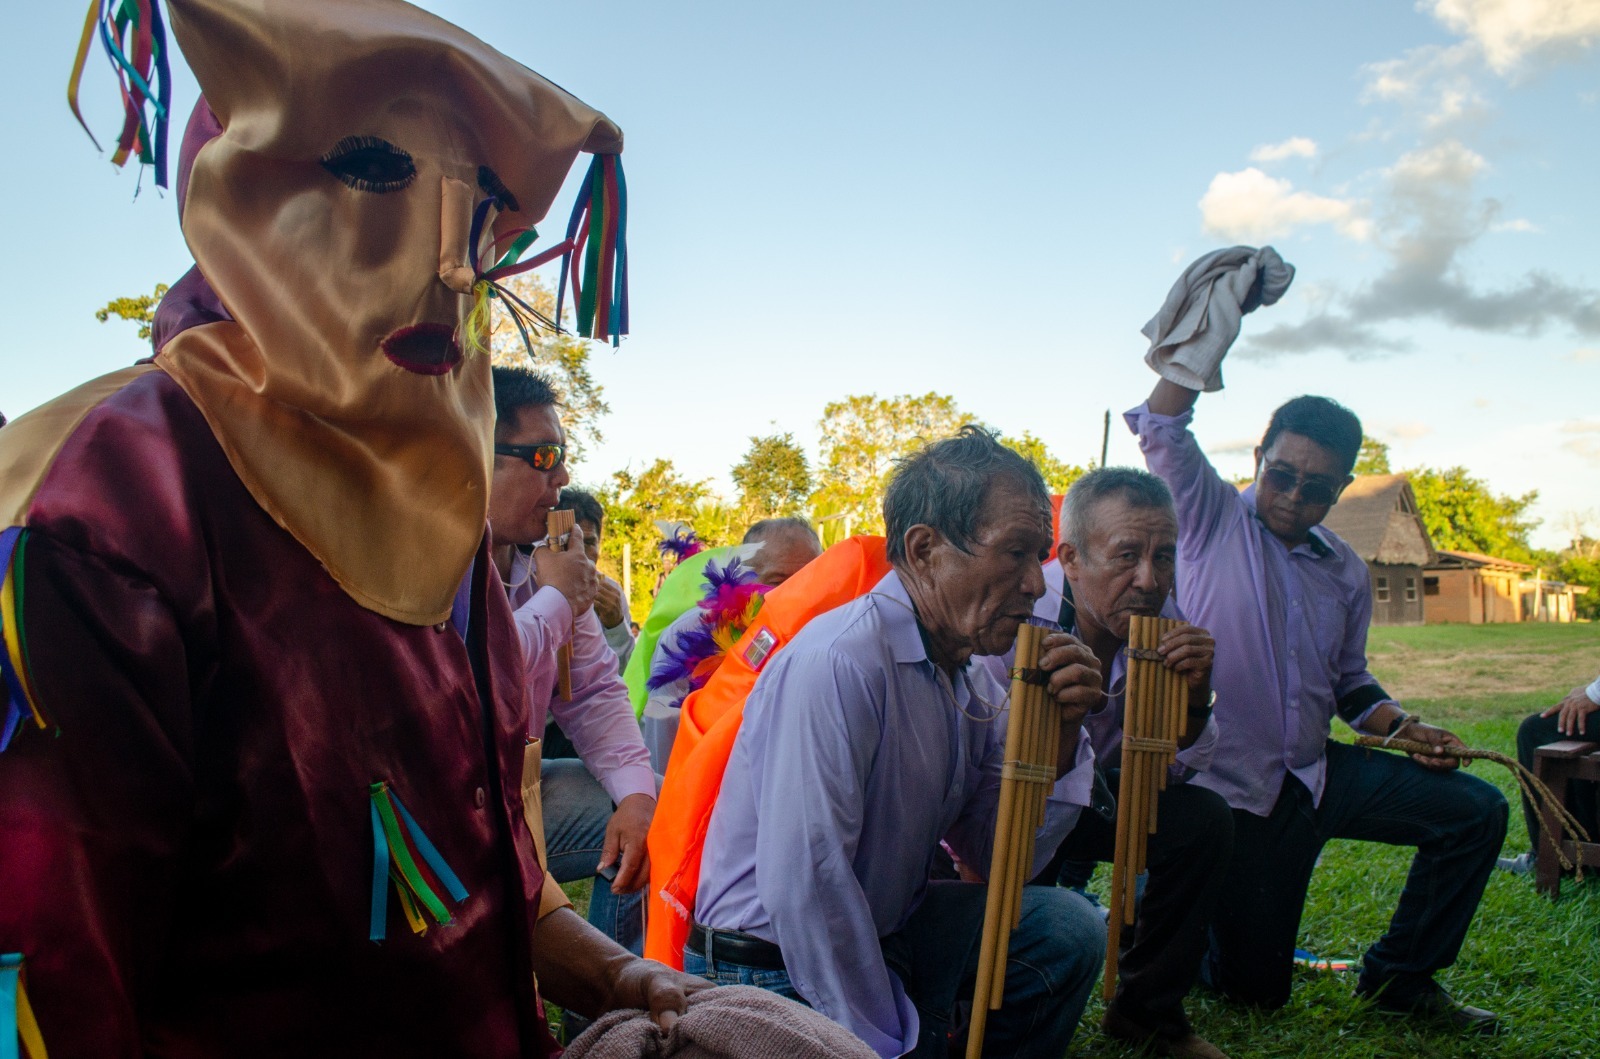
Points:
[(1535, 962)]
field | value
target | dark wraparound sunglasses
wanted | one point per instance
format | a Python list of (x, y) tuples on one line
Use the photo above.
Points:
[(546, 457), (1316, 491)]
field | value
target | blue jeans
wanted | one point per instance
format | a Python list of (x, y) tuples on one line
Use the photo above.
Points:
[(1457, 823), (1054, 959), (576, 811)]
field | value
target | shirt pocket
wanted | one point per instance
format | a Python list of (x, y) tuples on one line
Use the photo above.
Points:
[(1331, 616)]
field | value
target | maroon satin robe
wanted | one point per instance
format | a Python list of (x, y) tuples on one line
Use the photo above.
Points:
[(188, 865)]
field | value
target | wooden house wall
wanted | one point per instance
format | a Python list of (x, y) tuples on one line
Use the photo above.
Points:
[(1402, 585)]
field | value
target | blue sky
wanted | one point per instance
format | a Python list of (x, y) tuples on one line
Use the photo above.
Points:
[(989, 201)]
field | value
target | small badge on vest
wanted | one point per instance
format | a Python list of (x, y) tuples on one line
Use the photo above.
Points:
[(761, 645)]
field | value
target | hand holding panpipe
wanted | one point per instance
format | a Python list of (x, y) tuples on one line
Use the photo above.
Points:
[(556, 527), (1155, 713), (1033, 744)]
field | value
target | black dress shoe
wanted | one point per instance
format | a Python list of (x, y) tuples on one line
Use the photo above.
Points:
[(1436, 1006)]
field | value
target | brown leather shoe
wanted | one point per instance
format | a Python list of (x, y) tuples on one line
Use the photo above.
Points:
[(1188, 1045)]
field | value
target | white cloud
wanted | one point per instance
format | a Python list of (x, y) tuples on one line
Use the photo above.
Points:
[(1433, 83), (1584, 356), (1409, 431), (1510, 31), (1519, 224), (1293, 147), (1254, 207), (1481, 402)]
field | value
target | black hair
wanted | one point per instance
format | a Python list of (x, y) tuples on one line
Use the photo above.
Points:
[(768, 528), (583, 505), (946, 483), (1141, 489), (1323, 420), (519, 388)]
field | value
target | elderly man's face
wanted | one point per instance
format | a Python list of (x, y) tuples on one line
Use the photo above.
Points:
[(1126, 565), (781, 557), (984, 596)]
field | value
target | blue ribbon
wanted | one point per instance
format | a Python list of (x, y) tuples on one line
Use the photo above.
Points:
[(380, 879), (10, 972)]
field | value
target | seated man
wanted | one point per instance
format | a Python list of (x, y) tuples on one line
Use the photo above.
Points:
[(1289, 603), (610, 606), (868, 739), (1575, 717), (1117, 557), (553, 595)]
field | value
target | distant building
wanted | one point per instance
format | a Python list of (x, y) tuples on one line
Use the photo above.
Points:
[(1377, 516), (1474, 589), (1544, 600)]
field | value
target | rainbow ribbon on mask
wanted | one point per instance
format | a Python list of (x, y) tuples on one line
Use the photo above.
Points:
[(400, 851), (17, 1024), (16, 688), (134, 38), (598, 232)]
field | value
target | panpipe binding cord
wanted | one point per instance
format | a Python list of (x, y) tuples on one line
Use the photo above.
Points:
[(1540, 795)]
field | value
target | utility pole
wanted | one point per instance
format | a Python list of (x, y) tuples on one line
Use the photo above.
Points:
[(1105, 439)]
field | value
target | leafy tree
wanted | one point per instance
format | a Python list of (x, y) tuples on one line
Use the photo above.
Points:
[(774, 478), (1463, 514), (634, 502), (1058, 475), (1373, 458), (140, 308), (564, 357), (862, 436)]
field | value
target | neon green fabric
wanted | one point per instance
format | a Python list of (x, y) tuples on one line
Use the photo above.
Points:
[(685, 587)]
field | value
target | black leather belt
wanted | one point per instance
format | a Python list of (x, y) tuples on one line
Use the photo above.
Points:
[(732, 946)]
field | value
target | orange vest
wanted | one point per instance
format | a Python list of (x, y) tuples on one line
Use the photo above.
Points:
[(710, 721)]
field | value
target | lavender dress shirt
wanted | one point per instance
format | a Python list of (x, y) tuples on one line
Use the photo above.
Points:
[(1290, 624), (857, 755), (599, 720)]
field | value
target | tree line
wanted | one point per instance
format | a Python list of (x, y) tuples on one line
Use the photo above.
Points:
[(862, 436)]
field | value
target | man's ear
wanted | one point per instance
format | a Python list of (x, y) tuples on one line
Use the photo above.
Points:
[(1067, 556), (920, 541)]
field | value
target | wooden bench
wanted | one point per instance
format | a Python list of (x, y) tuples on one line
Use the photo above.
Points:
[(1555, 764)]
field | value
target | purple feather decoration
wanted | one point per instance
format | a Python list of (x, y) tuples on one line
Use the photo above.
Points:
[(682, 544)]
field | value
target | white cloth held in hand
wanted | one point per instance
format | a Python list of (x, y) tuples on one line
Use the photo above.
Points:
[(1197, 326)]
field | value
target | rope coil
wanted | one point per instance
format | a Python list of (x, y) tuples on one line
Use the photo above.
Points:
[(1532, 786)]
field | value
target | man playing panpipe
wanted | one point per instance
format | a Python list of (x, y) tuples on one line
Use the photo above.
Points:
[(869, 739), (1289, 604), (1116, 559)]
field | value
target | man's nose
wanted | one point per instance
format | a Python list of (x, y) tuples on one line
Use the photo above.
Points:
[(1144, 578), (559, 477), (1033, 581)]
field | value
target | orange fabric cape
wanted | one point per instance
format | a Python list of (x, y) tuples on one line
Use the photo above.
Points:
[(710, 722)]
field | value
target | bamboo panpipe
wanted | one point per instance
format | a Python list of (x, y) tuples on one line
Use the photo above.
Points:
[(1155, 711), (1033, 741), (557, 525)]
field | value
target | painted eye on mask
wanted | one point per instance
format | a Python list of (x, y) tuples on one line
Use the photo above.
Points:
[(368, 163)]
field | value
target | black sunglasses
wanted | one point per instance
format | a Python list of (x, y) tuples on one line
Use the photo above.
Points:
[(545, 457), (1316, 491)]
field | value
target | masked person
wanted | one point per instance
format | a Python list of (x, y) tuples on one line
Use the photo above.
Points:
[(267, 796)]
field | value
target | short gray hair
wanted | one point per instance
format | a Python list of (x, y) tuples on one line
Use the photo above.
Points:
[(945, 484), (768, 528), (1141, 489)]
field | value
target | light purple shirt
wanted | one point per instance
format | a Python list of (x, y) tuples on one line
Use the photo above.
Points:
[(599, 720), (856, 756), (1290, 623)]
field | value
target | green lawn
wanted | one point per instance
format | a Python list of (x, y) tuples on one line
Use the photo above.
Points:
[(1535, 962)]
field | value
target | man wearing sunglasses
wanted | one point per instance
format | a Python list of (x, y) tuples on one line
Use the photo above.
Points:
[(552, 592), (1289, 604)]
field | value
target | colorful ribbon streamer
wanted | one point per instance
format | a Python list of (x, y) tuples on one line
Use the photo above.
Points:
[(16, 688), (144, 78), (598, 232), (400, 851), (17, 1024)]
